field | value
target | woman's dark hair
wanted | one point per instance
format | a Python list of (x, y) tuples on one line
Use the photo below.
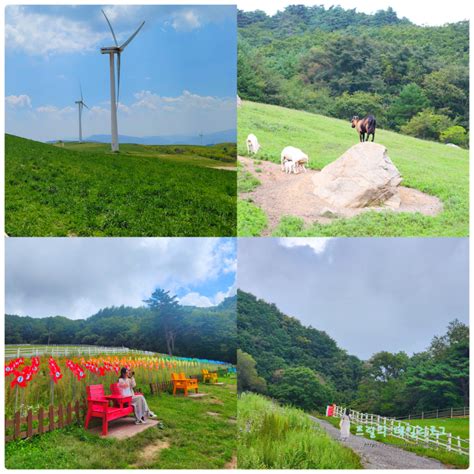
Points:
[(123, 372)]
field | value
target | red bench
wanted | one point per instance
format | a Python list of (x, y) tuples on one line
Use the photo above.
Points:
[(98, 405)]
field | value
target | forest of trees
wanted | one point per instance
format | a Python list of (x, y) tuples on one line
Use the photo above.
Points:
[(340, 63), (303, 366), (207, 333)]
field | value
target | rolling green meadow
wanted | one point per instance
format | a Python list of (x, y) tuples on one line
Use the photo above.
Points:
[(194, 434), (85, 190), (433, 168), (275, 437)]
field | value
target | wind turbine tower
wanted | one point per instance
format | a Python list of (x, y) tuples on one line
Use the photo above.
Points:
[(80, 105), (112, 51)]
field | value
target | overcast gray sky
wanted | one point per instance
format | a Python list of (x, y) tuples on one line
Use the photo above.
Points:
[(77, 277), (368, 294), (422, 13)]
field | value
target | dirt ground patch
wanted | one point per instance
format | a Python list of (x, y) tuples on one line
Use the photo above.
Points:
[(212, 413), (281, 194), (150, 453), (232, 464)]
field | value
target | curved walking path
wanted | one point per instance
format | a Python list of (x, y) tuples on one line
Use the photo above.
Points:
[(377, 455)]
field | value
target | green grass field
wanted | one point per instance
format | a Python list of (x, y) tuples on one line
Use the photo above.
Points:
[(196, 438), (85, 190), (275, 437), (455, 426), (433, 168)]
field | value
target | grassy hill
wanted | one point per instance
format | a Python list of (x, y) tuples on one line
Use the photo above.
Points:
[(143, 191), (433, 168), (275, 437)]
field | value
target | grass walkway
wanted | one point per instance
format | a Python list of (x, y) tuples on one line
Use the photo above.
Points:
[(200, 433)]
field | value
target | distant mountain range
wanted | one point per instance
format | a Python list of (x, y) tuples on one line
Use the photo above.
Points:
[(224, 136)]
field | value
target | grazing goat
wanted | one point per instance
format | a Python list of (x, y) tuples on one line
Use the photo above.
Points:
[(252, 144), (290, 167), (365, 127), (298, 157)]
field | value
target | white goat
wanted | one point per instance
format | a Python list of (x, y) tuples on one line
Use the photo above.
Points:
[(252, 144), (298, 157), (290, 167)]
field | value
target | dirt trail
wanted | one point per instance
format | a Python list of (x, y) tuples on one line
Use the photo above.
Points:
[(282, 194), (377, 455)]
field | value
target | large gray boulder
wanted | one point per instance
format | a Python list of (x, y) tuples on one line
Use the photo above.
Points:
[(363, 176)]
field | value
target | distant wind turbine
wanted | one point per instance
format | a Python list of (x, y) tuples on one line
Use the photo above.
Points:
[(80, 105), (112, 51), (200, 136)]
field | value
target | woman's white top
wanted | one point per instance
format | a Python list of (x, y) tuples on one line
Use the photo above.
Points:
[(124, 385)]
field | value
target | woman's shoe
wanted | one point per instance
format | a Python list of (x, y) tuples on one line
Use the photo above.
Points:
[(151, 414), (138, 422)]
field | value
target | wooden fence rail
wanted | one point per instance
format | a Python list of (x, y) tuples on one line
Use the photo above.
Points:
[(44, 420), (428, 436), (51, 418), (443, 413)]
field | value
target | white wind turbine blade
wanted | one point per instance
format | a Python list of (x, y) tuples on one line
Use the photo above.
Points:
[(111, 29), (80, 88), (124, 45), (85, 105)]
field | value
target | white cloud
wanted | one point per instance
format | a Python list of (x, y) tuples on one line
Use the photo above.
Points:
[(68, 277), (193, 298), (52, 109), (186, 20), (43, 35), (18, 100), (316, 244)]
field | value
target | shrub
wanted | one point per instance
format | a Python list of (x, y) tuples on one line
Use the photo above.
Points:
[(426, 124), (455, 134)]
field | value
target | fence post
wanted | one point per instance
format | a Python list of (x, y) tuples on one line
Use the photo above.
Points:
[(51, 417), (451, 412), (459, 444), (449, 441), (422, 415), (437, 413), (17, 426), (29, 423), (40, 420)]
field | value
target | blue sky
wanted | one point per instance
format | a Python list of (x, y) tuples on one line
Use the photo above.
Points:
[(178, 75), (77, 277)]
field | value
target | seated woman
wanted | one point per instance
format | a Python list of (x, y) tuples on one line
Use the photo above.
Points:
[(140, 406)]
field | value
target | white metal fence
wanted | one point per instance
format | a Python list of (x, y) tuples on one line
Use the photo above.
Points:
[(429, 436), (66, 351)]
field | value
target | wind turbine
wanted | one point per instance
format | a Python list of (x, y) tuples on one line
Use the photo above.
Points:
[(200, 136), (80, 105), (112, 51)]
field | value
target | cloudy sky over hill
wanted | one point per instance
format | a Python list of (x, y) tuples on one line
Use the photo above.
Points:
[(77, 277), (368, 294), (421, 13)]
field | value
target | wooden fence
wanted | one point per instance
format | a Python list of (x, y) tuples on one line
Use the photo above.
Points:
[(462, 412), (428, 436), (44, 420)]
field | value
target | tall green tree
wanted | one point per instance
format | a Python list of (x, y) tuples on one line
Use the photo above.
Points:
[(167, 315)]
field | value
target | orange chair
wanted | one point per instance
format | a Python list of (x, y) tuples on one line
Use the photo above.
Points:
[(209, 376), (180, 382)]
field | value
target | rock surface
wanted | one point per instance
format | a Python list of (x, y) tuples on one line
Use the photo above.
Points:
[(363, 176)]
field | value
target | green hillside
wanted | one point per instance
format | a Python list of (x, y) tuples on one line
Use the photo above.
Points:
[(143, 191), (275, 437), (433, 168)]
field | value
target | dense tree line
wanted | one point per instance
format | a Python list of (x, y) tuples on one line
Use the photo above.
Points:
[(340, 63), (207, 333), (302, 366)]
